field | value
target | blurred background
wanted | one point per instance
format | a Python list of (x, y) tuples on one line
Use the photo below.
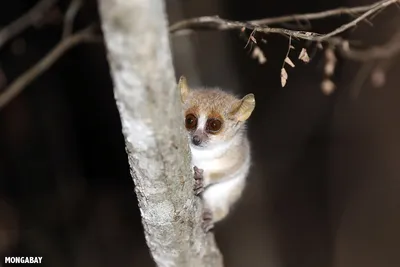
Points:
[(323, 187)]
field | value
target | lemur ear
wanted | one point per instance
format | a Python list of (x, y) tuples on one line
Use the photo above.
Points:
[(184, 88), (242, 110)]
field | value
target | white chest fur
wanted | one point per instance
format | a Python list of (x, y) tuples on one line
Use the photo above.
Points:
[(211, 160), (225, 158), (233, 161)]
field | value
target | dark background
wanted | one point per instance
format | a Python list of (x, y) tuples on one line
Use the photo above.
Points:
[(324, 182)]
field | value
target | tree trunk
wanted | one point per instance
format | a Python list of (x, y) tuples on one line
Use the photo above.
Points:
[(136, 38)]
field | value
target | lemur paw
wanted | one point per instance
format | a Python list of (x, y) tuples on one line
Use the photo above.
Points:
[(198, 187), (207, 223)]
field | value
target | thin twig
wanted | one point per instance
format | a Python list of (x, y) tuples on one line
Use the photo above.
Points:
[(216, 23), (249, 39), (318, 15), (374, 9), (284, 74), (69, 17), (40, 67), (26, 20), (288, 51)]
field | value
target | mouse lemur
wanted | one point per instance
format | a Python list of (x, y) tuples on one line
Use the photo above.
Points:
[(216, 125)]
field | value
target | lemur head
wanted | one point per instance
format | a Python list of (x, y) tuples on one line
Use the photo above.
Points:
[(213, 116)]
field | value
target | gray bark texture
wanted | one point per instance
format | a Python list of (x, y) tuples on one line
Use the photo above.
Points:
[(145, 89)]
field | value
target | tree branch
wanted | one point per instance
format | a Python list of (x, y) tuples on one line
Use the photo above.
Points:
[(379, 6), (318, 15), (26, 20), (69, 17), (385, 51), (145, 89), (68, 41), (216, 23), (213, 23), (46, 62)]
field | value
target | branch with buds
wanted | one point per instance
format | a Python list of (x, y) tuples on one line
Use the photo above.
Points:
[(262, 26), (332, 39)]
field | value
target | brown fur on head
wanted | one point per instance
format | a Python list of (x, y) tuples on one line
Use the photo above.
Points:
[(213, 116)]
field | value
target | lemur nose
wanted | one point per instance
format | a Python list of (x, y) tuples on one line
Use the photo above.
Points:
[(196, 140)]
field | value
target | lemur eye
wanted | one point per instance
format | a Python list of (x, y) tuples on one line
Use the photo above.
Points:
[(213, 125), (190, 121)]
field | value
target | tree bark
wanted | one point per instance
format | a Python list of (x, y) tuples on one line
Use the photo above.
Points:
[(137, 43)]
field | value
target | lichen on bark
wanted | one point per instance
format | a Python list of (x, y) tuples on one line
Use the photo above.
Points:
[(137, 43)]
